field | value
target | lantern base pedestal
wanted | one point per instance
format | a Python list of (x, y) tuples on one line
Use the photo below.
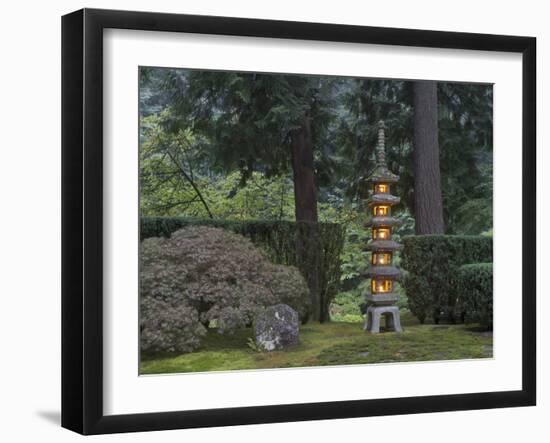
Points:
[(374, 315)]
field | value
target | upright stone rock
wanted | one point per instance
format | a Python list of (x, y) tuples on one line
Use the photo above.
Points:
[(277, 327), (381, 297)]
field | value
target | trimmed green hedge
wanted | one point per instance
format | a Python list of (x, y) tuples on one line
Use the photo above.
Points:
[(314, 248), (432, 262), (475, 284)]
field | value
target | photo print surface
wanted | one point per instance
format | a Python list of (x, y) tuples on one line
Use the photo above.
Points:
[(295, 221)]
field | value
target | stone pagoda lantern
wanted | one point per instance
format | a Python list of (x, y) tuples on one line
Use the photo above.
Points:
[(381, 297)]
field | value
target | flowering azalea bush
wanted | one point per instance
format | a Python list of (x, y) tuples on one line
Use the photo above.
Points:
[(203, 276)]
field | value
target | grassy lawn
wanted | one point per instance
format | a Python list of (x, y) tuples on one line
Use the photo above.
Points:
[(334, 343)]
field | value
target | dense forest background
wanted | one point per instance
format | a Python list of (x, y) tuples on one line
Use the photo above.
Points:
[(241, 146)]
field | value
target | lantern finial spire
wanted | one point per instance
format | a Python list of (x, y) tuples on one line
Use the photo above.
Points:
[(381, 146)]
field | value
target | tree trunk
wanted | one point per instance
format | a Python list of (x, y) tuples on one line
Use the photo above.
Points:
[(305, 196), (428, 206), (305, 192)]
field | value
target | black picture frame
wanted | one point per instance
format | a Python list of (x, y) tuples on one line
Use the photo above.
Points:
[(82, 218)]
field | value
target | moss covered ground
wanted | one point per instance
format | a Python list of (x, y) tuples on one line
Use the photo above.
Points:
[(334, 343)]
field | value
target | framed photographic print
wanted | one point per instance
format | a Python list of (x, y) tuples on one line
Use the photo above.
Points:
[(269, 221)]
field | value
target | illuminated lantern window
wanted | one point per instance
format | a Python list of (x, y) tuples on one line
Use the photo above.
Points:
[(381, 286), (381, 188), (381, 234), (381, 258), (381, 210)]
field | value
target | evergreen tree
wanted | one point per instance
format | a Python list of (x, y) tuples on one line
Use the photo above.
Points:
[(428, 204)]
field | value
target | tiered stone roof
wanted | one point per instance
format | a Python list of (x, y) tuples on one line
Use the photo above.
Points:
[(382, 220), (383, 246), (383, 199), (389, 271), (381, 173)]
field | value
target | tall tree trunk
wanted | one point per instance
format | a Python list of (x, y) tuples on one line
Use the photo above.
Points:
[(305, 196), (305, 192), (428, 206)]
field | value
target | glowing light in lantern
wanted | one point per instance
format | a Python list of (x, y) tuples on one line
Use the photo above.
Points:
[(381, 210), (381, 258), (381, 233), (381, 188), (381, 286)]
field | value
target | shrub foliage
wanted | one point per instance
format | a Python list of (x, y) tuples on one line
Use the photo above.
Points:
[(284, 242), (203, 275), (475, 284), (432, 263)]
